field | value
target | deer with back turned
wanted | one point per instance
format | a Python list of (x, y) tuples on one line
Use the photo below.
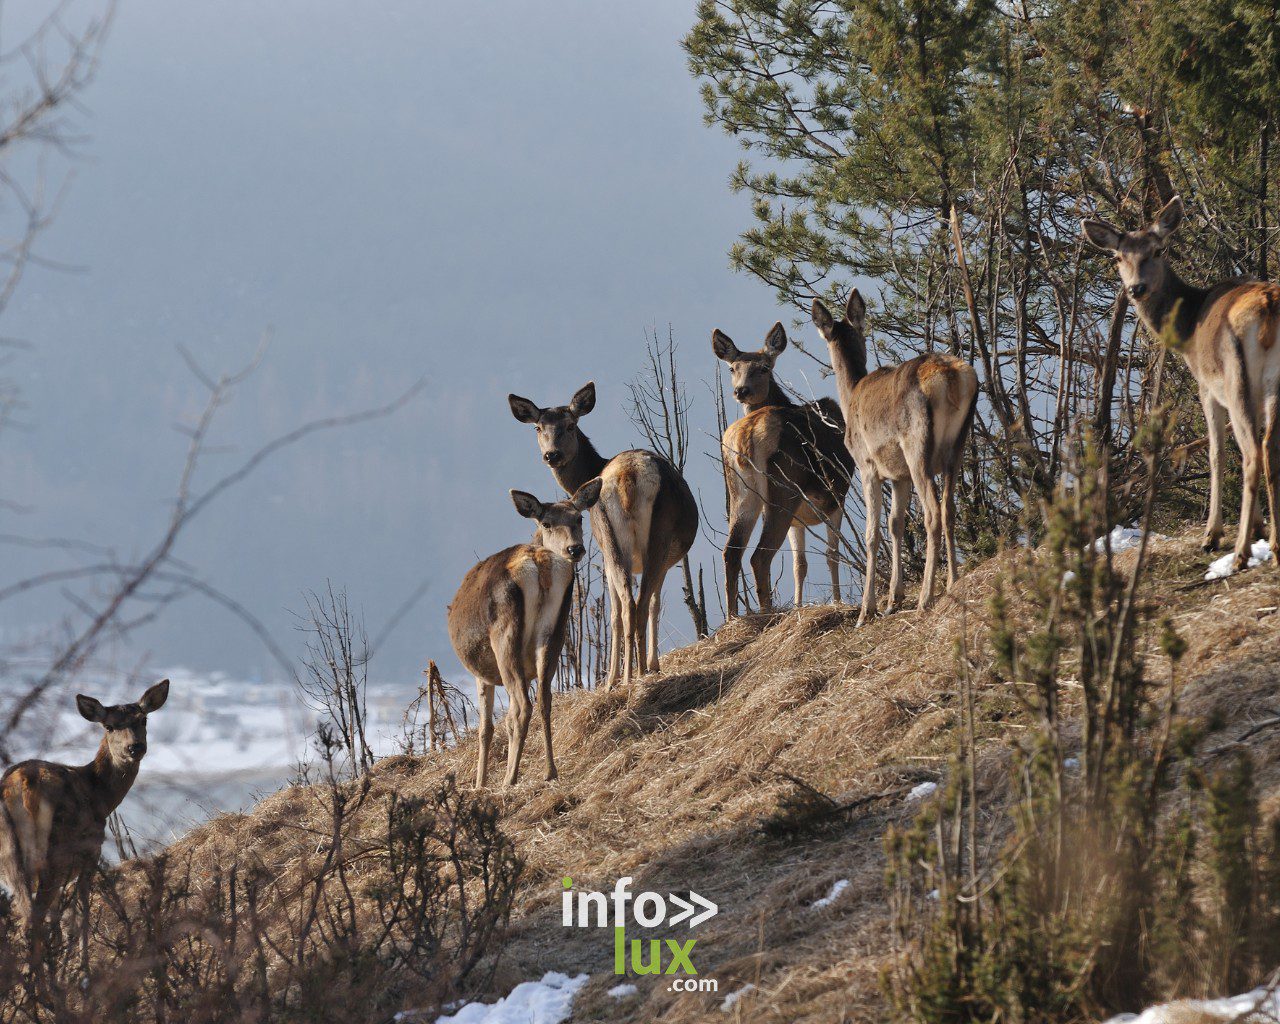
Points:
[(53, 817), (904, 424), (1227, 335), (645, 522), (781, 459)]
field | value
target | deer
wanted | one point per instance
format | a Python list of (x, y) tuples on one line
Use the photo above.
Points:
[(1227, 335), (507, 621), (905, 424), (53, 817), (781, 459), (645, 522)]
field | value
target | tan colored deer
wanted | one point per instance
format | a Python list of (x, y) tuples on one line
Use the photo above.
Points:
[(905, 424), (1227, 334), (507, 621), (784, 460), (53, 817), (646, 522)]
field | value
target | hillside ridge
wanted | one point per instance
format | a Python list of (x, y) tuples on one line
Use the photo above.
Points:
[(669, 781)]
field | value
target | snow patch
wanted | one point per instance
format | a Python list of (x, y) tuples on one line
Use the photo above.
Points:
[(1123, 538), (733, 997), (549, 1001), (1260, 1001), (1223, 567), (923, 790), (836, 889), (622, 991)]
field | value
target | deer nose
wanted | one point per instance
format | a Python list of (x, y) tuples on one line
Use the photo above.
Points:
[(552, 457), (741, 393), (137, 749), (576, 551), (1137, 289)]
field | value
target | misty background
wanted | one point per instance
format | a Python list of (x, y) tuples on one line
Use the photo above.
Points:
[(489, 197)]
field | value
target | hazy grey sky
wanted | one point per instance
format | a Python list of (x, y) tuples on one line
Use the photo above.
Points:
[(496, 196)]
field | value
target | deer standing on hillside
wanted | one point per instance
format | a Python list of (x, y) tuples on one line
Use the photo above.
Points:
[(647, 520), (1227, 334), (507, 621), (906, 424), (788, 461), (53, 817)]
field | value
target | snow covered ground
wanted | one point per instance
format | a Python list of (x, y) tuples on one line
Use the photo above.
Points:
[(1225, 566), (1260, 1005), (548, 1001), (217, 745)]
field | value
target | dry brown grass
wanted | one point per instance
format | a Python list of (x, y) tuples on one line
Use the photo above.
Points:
[(668, 783)]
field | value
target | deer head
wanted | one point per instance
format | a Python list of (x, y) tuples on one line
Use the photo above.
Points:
[(558, 436), (125, 724), (1139, 255), (751, 372), (559, 522), (848, 334)]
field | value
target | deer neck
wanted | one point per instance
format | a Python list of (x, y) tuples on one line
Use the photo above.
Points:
[(775, 396), (848, 360), (586, 465), (1175, 305), (110, 781)]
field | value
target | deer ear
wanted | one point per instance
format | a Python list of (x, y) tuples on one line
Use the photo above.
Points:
[(722, 345), (776, 340), (1101, 234), (584, 399), (587, 495), (822, 318), (855, 309), (154, 698), (523, 409), (1168, 219), (90, 708), (527, 505)]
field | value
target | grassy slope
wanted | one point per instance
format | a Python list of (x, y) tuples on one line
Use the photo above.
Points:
[(668, 782)]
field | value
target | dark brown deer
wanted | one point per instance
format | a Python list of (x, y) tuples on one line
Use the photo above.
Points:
[(645, 523), (53, 817), (781, 459), (1227, 334), (507, 621), (906, 424)]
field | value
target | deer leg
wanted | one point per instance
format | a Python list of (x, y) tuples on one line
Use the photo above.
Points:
[(484, 703), (1271, 467), (615, 634), (1215, 422), (834, 522), (799, 563), (949, 517), (625, 602), (655, 616), (546, 673), (929, 505), (744, 511), (897, 531), (873, 499), (650, 584), (518, 715), (1251, 457), (777, 521)]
